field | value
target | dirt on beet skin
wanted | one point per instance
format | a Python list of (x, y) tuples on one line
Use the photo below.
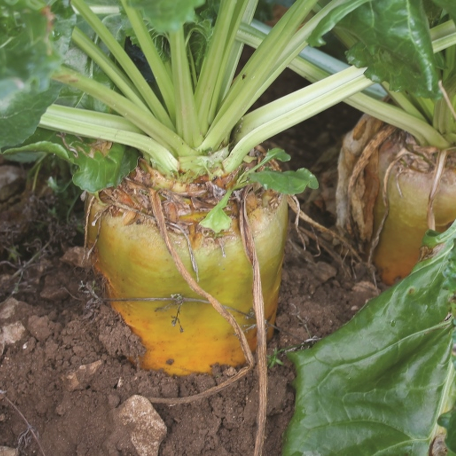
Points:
[(67, 359)]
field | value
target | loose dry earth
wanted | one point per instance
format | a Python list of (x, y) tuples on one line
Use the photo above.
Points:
[(67, 377)]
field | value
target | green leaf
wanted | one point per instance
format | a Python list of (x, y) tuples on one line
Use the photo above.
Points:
[(198, 35), (377, 385), (287, 182), (395, 45), (98, 169), (449, 6), (27, 57), (165, 15), (100, 164), (330, 19), (216, 219), (32, 40), (276, 154), (21, 113)]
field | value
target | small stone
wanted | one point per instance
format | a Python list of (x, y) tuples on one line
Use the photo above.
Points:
[(12, 179), (12, 310), (81, 377), (7, 451), (147, 429), (60, 410), (12, 333), (324, 271), (230, 372), (29, 346), (354, 308), (365, 287), (77, 256), (8, 308)]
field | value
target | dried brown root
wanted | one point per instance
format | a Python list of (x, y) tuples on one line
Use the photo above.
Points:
[(438, 173), (353, 146), (300, 215), (258, 307)]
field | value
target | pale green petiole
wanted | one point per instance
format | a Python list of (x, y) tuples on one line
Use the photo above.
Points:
[(404, 102), (414, 124), (244, 90), (140, 117), (154, 60), (125, 62), (236, 51), (279, 115), (443, 36), (284, 42), (88, 116), (107, 127), (209, 84), (290, 103), (109, 68), (186, 115)]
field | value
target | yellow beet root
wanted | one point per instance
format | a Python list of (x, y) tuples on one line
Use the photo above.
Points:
[(384, 195), (183, 336), (408, 193)]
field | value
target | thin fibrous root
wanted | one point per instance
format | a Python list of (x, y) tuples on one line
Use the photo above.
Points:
[(24, 419), (300, 215)]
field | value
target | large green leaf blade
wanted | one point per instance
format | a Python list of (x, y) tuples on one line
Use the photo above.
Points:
[(21, 113), (328, 21), (378, 385), (26, 54), (32, 40), (100, 169), (165, 15), (395, 45), (100, 164)]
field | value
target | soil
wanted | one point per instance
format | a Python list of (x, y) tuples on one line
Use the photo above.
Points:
[(69, 370)]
